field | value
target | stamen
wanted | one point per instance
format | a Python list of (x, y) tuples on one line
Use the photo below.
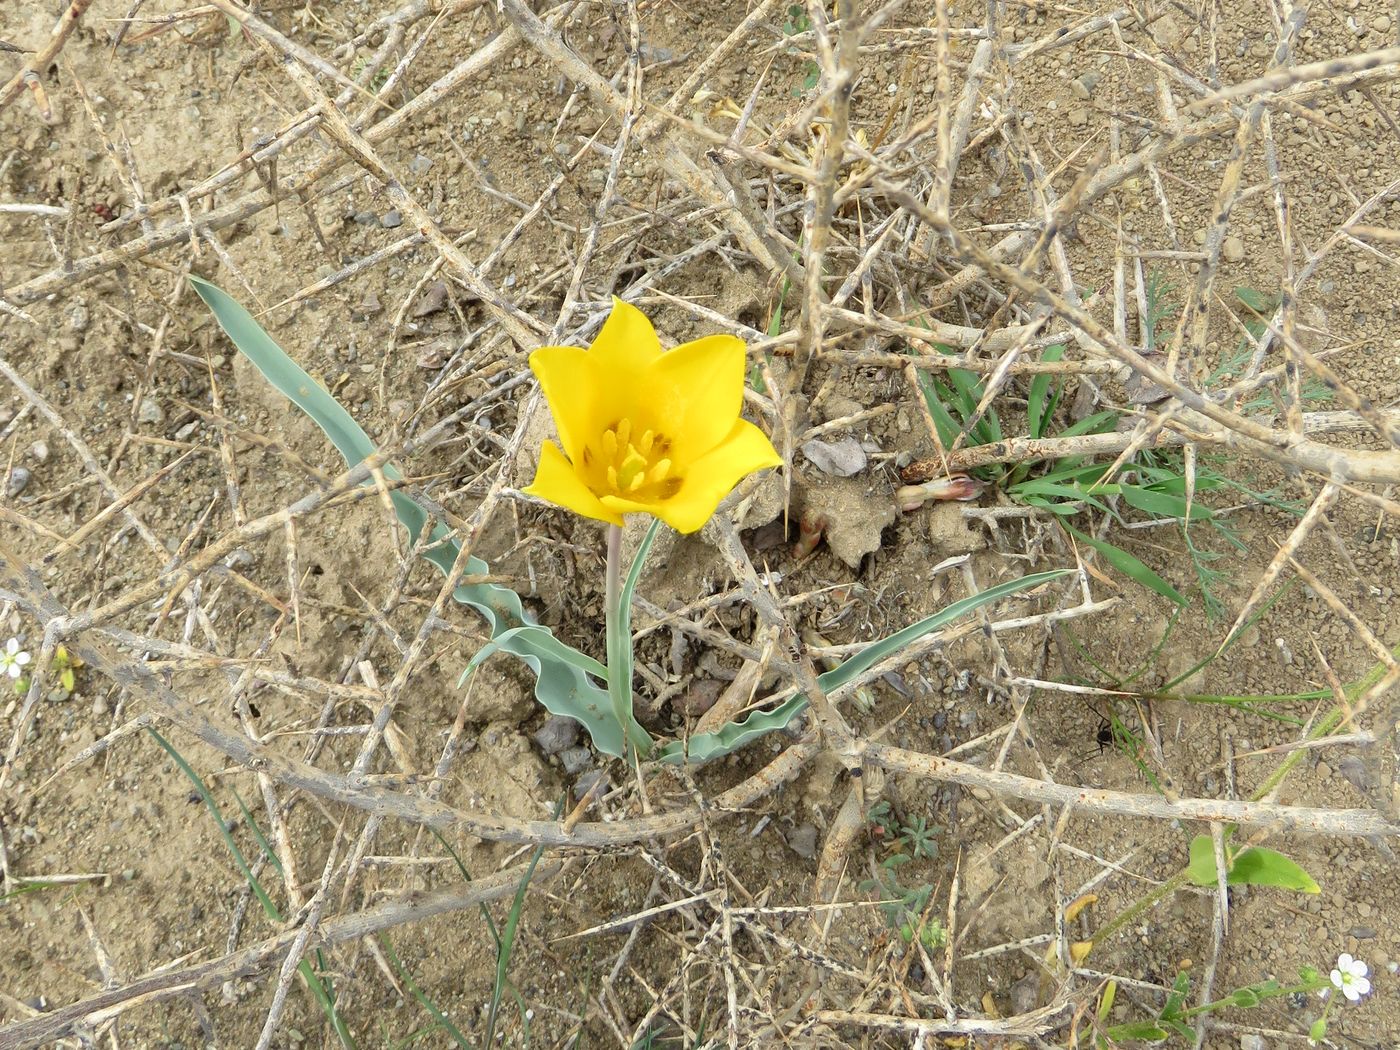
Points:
[(645, 444), (659, 470), (624, 432), (610, 444), (612, 478)]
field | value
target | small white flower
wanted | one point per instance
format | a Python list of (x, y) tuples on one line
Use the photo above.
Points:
[(1350, 976), (13, 659)]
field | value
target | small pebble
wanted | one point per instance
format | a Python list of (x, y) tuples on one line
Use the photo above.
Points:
[(18, 481), (575, 759), (557, 733), (1234, 249), (802, 840), (39, 452), (392, 219), (585, 783), (150, 411), (128, 874)]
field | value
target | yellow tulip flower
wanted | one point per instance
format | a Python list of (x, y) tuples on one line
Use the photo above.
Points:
[(643, 430)]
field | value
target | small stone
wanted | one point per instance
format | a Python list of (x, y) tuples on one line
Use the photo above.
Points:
[(802, 840), (575, 759), (39, 452), (420, 164), (1251, 1041), (1363, 933), (1324, 771), (392, 219), (1083, 86), (365, 218), (1234, 249), (78, 318), (1381, 23), (1078, 117), (557, 733), (586, 783), (18, 481), (1025, 993), (433, 300), (99, 707), (366, 307), (1354, 769), (150, 411), (128, 874), (841, 458)]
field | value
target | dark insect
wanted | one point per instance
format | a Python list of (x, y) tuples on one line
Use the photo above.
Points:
[(1104, 736)]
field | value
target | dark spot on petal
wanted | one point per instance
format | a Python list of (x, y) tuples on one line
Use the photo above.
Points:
[(670, 487), (587, 456)]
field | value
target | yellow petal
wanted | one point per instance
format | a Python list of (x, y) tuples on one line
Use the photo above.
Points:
[(627, 344), (711, 477), (701, 383), (556, 481), (580, 403)]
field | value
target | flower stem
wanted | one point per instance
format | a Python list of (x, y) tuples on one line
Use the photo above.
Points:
[(619, 638)]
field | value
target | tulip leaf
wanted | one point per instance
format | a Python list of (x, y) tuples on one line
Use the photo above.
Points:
[(1253, 866), (561, 674), (731, 737)]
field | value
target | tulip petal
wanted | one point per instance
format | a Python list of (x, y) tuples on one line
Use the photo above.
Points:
[(702, 385), (711, 477), (569, 380), (557, 482), (627, 344)]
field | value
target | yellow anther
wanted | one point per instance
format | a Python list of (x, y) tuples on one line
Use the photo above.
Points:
[(645, 443), (609, 444), (612, 478), (624, 432), (659, 471)]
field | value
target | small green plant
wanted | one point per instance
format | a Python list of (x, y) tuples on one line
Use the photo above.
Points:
[(1153, 485), (903, 907), (1175, 1019), (794, 24)]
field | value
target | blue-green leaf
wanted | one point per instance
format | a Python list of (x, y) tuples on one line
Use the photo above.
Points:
[(561, 685), (736, 734)]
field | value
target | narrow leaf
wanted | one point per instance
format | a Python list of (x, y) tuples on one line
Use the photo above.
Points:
[(1130, 566)]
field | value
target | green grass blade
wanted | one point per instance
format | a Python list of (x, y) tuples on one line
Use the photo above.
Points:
[(313, 981), (507, 942), (559, 685), (1129, 566), (1040, 405), (423, 999)]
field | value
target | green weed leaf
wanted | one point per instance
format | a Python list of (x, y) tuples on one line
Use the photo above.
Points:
[(1255, 866), (1130, 566)]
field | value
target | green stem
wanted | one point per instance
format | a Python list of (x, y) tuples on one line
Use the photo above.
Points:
[(619, 642)]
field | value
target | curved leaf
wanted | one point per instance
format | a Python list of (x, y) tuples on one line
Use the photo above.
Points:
[(560, 684), (735, 735)]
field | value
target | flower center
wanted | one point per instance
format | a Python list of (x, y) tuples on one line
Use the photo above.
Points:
[(633, 465)]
